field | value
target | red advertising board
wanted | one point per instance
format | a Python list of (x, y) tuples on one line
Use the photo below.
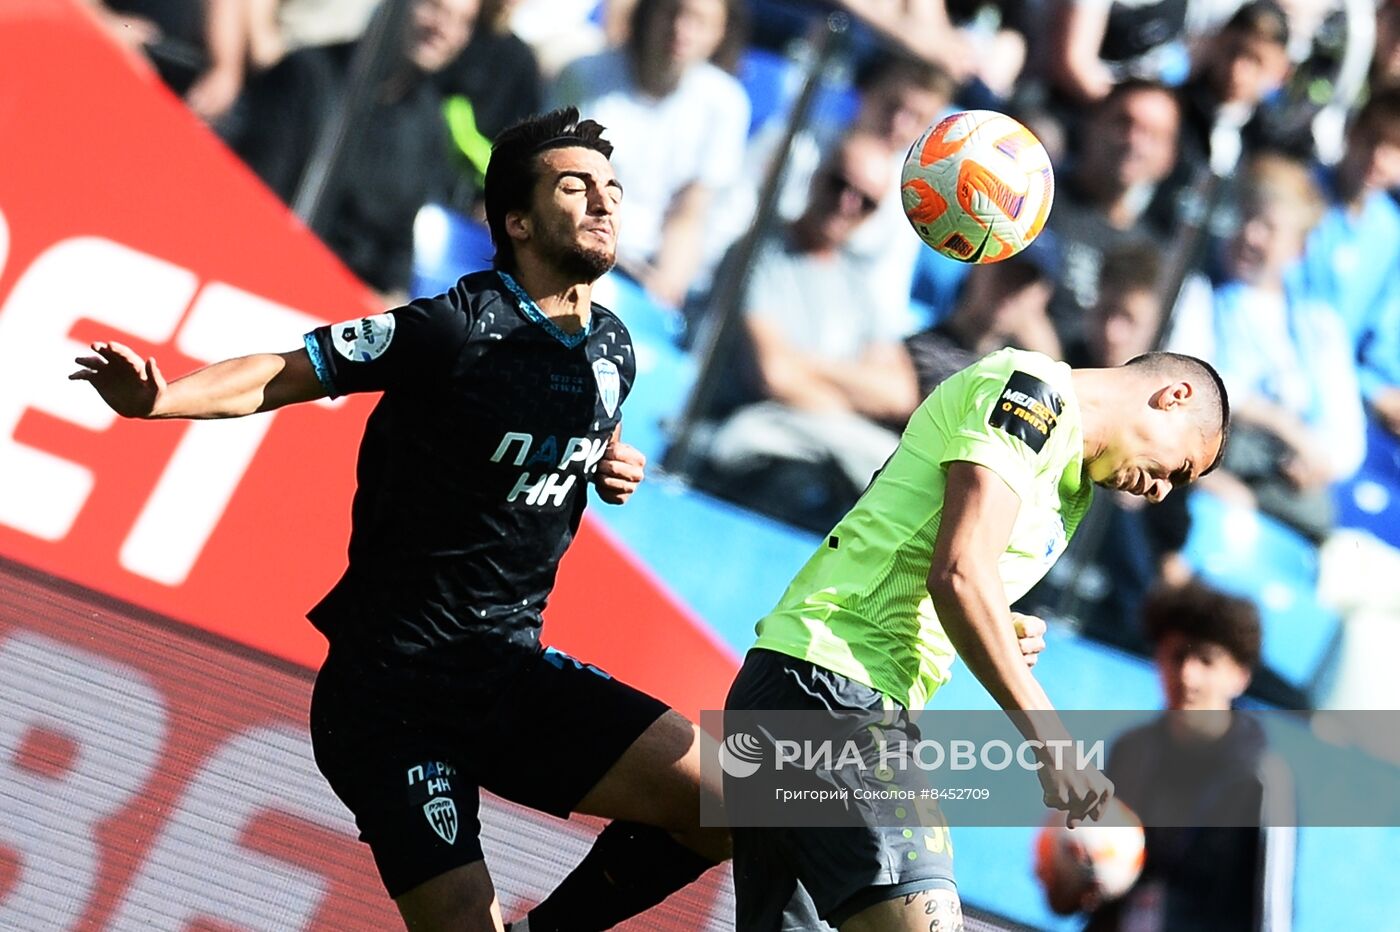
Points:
[(153, 777)]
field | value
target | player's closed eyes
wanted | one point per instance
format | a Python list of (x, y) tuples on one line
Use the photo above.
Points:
[(613, 191)]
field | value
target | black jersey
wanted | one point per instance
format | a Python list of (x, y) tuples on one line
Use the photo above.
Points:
[(474, 468)]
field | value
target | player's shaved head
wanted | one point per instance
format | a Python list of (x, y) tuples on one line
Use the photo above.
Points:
[(1212, 407)]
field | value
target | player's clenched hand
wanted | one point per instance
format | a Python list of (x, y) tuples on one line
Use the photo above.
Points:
[(620, 471), (1082, 793), (128, 384), (1030, 636)]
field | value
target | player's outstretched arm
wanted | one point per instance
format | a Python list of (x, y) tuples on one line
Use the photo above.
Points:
[(135, 387), (979, 511)]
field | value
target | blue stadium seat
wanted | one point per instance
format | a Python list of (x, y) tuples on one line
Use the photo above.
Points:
[(446, 246), (1370, 501), (773, 81), (665, 372), (770, 80), (1249, 554), (937, 280)]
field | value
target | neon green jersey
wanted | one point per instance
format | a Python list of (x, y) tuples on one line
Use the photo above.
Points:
[(860, 605)]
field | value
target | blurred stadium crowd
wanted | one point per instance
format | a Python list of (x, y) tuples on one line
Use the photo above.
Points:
[(1228, 185)]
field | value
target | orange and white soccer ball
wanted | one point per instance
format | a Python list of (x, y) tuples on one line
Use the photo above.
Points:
[(1105, 856), (977, 186)]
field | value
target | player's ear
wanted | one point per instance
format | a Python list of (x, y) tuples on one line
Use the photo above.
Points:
[(1173, 395), (518, 225)]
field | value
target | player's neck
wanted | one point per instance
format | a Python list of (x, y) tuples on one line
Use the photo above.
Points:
[(1099, 407), (567, 302)]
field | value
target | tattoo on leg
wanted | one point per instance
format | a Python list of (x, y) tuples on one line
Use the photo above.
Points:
[(943, 908)]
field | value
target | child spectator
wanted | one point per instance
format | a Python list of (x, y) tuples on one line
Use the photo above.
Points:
[(1200, 761)]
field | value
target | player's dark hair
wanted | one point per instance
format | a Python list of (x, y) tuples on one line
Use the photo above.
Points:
[(1215, 401), (1260, 19), (514, 168), (1202, 613), (726, 55)]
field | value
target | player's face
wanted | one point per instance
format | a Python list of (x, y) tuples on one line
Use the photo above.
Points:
[(1198, 676), (1164, 449), (573, 221), (438, 30)]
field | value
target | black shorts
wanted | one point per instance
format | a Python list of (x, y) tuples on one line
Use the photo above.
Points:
[(785, 877), (408, 752)]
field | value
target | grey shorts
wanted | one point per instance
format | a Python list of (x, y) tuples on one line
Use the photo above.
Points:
[(788, 878)]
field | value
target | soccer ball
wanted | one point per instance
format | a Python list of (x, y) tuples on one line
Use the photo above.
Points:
[(977, 186), (1102, 858)]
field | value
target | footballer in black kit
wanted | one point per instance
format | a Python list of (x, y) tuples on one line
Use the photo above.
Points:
[(473, 475), (473, 470), (501, 405)]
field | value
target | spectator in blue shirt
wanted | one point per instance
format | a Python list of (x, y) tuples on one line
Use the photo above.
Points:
[(1353, 255), (1298, 424)]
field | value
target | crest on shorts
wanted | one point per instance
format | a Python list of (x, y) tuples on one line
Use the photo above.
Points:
[(609, 384), (442, 816)]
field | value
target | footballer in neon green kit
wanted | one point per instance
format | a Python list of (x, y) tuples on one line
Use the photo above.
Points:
[(992, 476)]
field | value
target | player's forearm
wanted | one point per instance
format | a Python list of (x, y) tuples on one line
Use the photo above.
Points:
[(236, 387), (974, 616), (972, 609)]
